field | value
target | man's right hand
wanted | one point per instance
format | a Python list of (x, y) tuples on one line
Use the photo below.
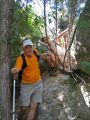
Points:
[(14, 71)]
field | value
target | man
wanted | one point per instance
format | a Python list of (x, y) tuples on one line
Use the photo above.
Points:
[(56, 52), (31, 88), (52, 57)]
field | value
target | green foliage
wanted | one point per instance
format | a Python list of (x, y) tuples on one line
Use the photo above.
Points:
[(83, 25), (25, 24), (84, 66)]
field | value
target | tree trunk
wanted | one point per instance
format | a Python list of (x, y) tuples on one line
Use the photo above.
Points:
[(5, 21)]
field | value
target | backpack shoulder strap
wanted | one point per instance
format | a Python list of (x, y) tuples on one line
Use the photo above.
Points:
[(24, 61), (35, 53), (23, 66)]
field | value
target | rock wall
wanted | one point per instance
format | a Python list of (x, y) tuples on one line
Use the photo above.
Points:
[(64, 99)]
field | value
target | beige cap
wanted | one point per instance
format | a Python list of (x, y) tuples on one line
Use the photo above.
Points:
[(27, 42)]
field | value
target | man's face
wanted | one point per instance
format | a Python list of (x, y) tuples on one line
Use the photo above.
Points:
[(28, 49)]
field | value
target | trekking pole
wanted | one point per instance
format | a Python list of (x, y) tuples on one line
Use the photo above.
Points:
[(13, 112)]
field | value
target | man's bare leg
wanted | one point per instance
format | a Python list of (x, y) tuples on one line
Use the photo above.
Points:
[(36, 112), (32, 111)]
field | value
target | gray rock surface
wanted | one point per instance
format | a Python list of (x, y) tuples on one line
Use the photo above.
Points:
[(64, 99)]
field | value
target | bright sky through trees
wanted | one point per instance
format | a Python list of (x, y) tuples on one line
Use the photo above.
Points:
[(38, 7)]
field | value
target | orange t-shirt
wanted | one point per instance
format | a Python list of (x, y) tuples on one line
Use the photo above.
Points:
[(31, 73)]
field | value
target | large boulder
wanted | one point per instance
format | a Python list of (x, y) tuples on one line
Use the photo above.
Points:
[(64, 100)]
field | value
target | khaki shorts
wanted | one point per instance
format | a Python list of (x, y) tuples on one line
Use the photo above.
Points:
[(31, 93)]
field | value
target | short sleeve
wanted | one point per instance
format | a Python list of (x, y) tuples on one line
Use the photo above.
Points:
[(19, 63)]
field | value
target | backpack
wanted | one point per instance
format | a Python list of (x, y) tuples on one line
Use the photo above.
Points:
[(25, 64)]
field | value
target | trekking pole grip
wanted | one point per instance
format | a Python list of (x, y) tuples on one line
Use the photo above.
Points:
[(15, 77)]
